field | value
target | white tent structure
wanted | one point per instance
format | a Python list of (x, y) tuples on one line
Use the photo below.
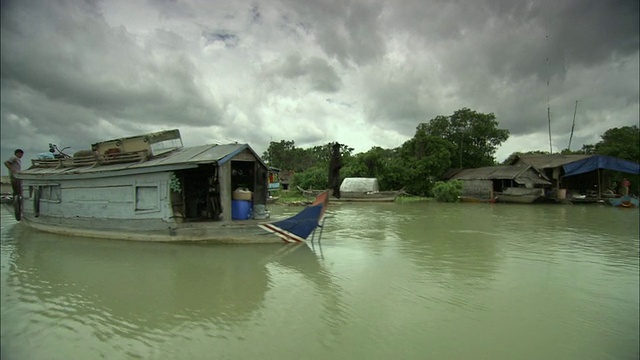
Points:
[(360, 185), (364, 189)]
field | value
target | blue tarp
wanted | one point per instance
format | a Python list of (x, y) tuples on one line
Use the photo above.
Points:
[(600, 162)]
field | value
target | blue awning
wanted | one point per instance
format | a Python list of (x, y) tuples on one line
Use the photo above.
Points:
[(600, 162)]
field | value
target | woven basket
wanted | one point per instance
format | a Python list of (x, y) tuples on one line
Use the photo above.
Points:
[(242, 194)]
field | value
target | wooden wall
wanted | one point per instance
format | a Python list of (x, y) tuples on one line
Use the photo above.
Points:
[(144, 196)]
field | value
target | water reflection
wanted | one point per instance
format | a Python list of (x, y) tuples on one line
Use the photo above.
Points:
[(386, 280), (145, 286), (437, 238)]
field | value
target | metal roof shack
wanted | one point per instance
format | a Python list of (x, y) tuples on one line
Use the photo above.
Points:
[(524, 175), (483, 183), (547, 161), (580, 175)]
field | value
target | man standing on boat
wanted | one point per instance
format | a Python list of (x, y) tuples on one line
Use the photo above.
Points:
[(335, 164), (14, 166), (625, 186)]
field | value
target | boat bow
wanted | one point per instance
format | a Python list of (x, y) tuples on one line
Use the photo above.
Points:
[(298, 227)]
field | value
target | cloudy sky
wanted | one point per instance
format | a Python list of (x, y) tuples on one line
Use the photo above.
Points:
[(361, 72)]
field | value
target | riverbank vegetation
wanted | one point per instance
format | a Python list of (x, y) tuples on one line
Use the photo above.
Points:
[(447, 191), (465, 139)]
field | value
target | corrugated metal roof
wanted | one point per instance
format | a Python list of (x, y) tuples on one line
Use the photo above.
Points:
[(197, 154), (548, 161), (509, 172), (490, 172), (188, 157)]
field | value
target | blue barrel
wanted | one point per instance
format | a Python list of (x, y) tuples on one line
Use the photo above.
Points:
[(240, 209)]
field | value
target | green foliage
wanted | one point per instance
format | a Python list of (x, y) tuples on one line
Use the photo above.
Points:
[(588, 149), (375, 163), (411, 199), (313, 178), (623, 143), (447, 191), (174, 183), (321, 155), (466, 138), (289, 196), (474, 136), (285, 155), (423, 158), (282, 155)]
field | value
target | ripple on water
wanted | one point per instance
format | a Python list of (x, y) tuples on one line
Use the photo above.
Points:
[(440, 279)]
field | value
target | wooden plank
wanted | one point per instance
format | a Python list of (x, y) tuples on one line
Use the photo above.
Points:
[(124, 157), (48, 163)]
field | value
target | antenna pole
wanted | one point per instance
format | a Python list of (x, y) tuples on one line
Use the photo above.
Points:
[(549, 117), (573, 125), (548, 105)]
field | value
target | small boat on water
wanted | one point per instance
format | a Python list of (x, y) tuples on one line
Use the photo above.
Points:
[(624, 202), (151, 188), (356, 189), (359, 189), (376, 196)]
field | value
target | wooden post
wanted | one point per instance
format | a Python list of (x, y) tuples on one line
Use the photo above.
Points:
[(224, 178), (599, 184), (556, 175)]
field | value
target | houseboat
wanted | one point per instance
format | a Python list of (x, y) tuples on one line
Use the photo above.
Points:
[(150, 187)]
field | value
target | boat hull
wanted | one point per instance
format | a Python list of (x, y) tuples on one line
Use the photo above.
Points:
[(230, 233), (518, 199), (519, 195), (294, 229), (383, 196)]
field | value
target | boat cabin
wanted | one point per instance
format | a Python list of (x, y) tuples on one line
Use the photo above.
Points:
[(150, 179)]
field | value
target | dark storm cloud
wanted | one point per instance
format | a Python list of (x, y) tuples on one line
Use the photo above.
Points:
[(346, 30), (256, 16), (497, 56), (72, 56), (102, 69), (317, 72), (567, 32), (228, 39)]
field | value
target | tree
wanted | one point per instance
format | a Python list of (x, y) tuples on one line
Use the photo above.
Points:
[(375, 163), (623, 143), (321, 155), (424, 158), (285, 155), (281, 155), (588, 149), (475, 136), (312, 178)]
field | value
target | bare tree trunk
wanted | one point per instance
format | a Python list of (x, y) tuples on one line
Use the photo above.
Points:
[(334, 170)]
